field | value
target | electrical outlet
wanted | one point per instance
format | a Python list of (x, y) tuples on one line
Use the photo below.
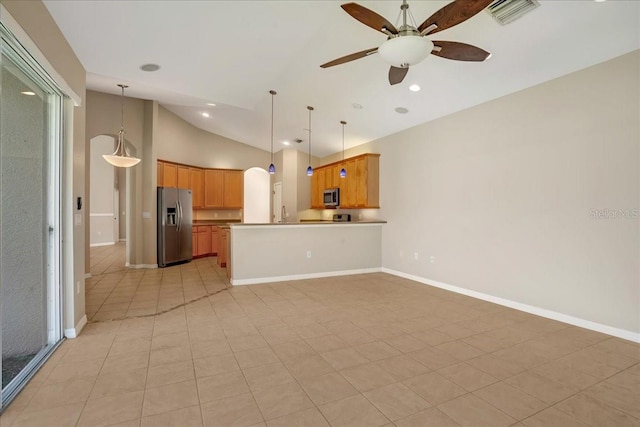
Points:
[(309, 254), (215, 215), (432, 259), (359, 216), (415, 255), (401, 254)]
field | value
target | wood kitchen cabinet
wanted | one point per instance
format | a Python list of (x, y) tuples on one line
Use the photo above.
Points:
[(194, 242), (233, 189), (197, 187), (213, 188), (167, 175), (173, 175), (204, 239), (214, 239), (360, 189), (318, 185), (223, 247)]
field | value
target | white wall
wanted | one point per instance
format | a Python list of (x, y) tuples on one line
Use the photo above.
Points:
[(101, 192), (503, 195)]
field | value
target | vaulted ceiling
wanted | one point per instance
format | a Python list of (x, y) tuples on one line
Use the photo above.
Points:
[(232, 53)]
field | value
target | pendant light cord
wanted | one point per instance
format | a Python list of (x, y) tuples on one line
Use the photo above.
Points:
[(122, 107), (343, 123), (272, 94), (310, 110)]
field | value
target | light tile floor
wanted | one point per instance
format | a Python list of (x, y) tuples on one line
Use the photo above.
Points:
[(366, 350)]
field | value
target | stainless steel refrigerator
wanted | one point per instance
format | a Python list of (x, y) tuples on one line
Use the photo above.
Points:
[(175, 222)]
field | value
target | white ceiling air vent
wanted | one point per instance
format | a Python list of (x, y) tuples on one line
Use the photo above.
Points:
[(506, 11)]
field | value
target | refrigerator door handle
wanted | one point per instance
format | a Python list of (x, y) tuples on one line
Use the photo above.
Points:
[(180, 213), (177, 215)]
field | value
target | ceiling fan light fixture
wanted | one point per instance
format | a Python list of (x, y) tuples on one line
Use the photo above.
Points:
[(405, 51)]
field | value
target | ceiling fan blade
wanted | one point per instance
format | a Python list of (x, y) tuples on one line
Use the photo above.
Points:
[(459, 51), (351, 57), (368, 17), (454, 13), (396, 75)]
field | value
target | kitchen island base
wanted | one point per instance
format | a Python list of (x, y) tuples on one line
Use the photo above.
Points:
[(269, 253)]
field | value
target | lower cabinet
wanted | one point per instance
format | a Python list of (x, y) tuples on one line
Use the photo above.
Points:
[(214, 239), (194, 242), (204, 239), (223, 247)]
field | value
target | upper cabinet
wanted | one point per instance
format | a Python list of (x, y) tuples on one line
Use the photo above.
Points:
[(211, 188), (232, 194), (197, 186), (358, 190)]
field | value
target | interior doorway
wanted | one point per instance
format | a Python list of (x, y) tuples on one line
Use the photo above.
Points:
[(256, 196), (277, 202), (108, 210)]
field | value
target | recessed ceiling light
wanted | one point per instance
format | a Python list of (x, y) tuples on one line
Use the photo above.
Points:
[(286, 143), (150, 67), (401, 110), (414, 88), (600, 1), (205, 114), (357, 106), (28, 93), (211, 104)]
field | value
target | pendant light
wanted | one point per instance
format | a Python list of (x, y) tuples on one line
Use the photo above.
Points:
[(121, 157), (272, 167), (310, 169), (343, 172)]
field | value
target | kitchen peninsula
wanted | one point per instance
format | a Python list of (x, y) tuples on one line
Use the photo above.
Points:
[(265, 253)]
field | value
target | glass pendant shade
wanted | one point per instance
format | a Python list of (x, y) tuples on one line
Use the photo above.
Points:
[(121, 158), (405, 51), (309, 171), (343, 173), (272, 169)]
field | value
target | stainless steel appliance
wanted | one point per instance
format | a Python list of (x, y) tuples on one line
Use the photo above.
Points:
[(174, 226), (331, 197), (342, 218)]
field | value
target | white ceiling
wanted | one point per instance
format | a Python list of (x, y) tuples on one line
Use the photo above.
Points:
[(233, 52)]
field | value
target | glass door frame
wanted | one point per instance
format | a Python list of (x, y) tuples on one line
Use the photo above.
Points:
[(11, 48)]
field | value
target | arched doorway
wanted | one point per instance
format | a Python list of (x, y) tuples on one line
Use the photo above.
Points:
[(257, 183), (110, 206)]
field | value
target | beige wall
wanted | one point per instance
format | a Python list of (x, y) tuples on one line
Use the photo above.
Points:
[(181, 142), (335, 249), (503, 196), (36, 21)]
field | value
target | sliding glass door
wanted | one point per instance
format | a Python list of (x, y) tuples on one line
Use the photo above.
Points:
[(30, 126)]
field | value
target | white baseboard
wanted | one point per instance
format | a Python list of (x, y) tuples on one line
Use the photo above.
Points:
[(87, 275), (74, 332), (140, 265), (258, 280), (95, 245), (549, 314)]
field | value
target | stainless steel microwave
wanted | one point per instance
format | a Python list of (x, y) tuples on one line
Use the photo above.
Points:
[(331, 197)]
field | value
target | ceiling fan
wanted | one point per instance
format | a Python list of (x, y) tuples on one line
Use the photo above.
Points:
[(408, 44)]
